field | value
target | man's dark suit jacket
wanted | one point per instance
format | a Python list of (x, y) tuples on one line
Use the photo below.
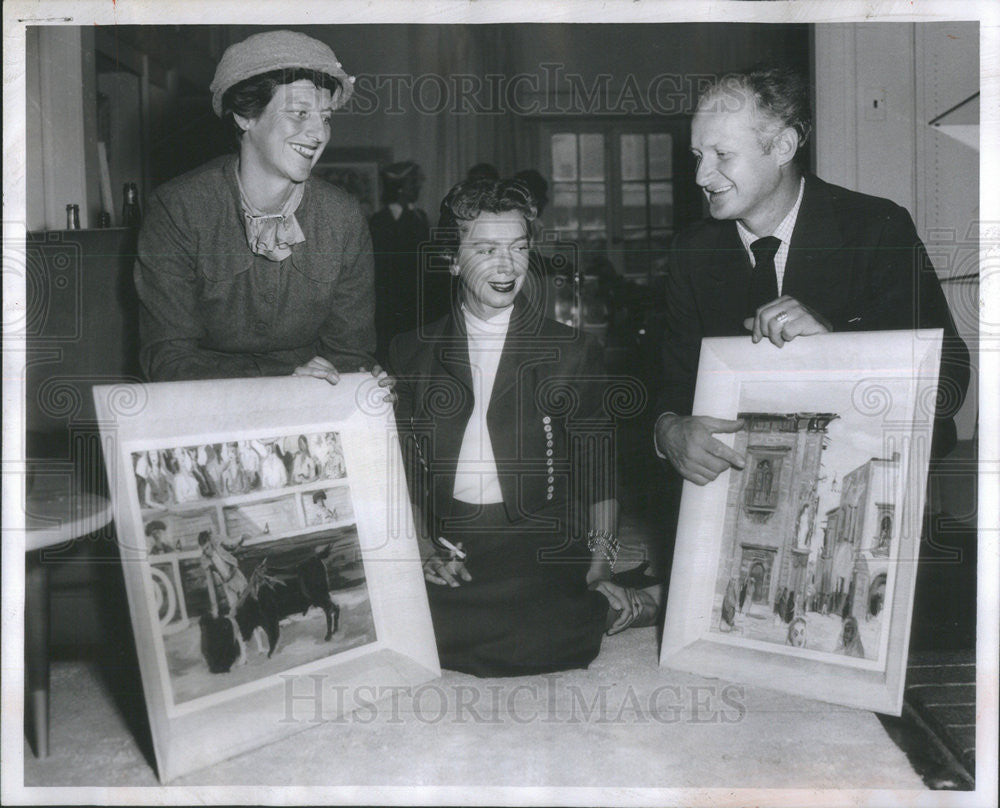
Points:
[(549, 389), (854, 259)]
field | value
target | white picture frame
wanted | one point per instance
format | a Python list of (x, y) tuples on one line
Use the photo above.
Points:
[(820, 528), (330, 516)]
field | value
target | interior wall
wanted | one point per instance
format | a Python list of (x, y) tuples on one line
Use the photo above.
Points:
[(62, 151), (915, 72)]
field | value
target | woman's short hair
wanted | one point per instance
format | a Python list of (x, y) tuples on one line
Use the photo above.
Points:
[(249, 97), (469, 198)]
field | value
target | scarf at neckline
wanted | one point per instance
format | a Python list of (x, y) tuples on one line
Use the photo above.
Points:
[(272, 235)]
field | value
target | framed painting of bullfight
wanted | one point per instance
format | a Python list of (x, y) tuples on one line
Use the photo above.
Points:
[(268, 553), (797, 571)]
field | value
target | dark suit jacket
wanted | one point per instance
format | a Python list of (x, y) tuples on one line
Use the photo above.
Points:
[(549, 389), (855, 259)]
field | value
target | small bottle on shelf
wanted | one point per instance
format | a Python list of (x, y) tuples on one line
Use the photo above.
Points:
[(131, 215), (72, 217)]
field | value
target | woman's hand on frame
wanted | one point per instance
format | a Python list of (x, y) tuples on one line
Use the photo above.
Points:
[(318, 368)]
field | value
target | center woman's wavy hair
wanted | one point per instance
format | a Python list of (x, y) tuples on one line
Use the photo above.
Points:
[(465, 201)]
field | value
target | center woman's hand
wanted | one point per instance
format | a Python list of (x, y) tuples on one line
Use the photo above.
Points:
[(631, 604), (446, 571)]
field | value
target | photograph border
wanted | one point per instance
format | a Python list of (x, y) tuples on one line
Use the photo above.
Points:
[(987, 512)]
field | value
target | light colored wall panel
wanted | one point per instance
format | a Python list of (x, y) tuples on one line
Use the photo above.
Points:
[(919, 71)]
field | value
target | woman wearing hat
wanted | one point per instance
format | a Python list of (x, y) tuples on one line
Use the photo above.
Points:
[(247, 266)]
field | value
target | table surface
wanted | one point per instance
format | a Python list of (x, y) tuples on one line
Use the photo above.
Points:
[(55, 513)]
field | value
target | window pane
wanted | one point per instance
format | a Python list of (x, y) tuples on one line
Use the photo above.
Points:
[(660, 157), (592, 193), (592, 157), (563, 218), (633, 150), (564, 195), (634, 194), (661, 193), (563, 157), (634, 204), (661, 208), (593, 213)]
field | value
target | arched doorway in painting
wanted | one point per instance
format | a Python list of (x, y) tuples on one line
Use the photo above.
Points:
[(757, 583), (876, 596)]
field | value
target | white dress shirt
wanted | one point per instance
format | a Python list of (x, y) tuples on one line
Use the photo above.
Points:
[(397, 210), (783, 232), (476, 478)]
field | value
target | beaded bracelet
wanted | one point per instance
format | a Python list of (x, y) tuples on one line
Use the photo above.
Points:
[(607, 543)]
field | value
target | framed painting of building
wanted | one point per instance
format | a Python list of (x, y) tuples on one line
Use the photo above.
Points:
[(356, 170), (797, 571), (269, 557)]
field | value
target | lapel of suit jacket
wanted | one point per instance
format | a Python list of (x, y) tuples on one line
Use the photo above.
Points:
[(452, 351), (816, 272), (723, 276), (523, 325), (446, 363), (503, 416), (443, 356)]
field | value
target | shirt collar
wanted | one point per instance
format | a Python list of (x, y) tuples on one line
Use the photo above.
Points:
[(496, 326), (397, 210), (783, 231)]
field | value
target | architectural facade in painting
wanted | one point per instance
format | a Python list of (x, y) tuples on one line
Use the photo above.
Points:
[(852, 568), (771, 508)]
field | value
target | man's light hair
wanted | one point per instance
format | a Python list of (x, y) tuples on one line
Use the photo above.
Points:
[(780, 98)]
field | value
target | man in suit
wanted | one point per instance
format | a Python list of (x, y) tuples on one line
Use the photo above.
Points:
[(500, 412), (784, 255)]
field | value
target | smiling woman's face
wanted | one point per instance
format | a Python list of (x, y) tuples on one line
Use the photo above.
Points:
[(491, 261), (287, 139)]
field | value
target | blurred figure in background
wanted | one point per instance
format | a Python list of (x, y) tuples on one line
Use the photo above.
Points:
[(483, 171), (398, 230)]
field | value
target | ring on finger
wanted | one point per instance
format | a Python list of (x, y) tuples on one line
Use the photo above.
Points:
[(781, 316)]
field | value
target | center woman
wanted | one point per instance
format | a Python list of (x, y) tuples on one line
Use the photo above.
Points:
[(504, 435)]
